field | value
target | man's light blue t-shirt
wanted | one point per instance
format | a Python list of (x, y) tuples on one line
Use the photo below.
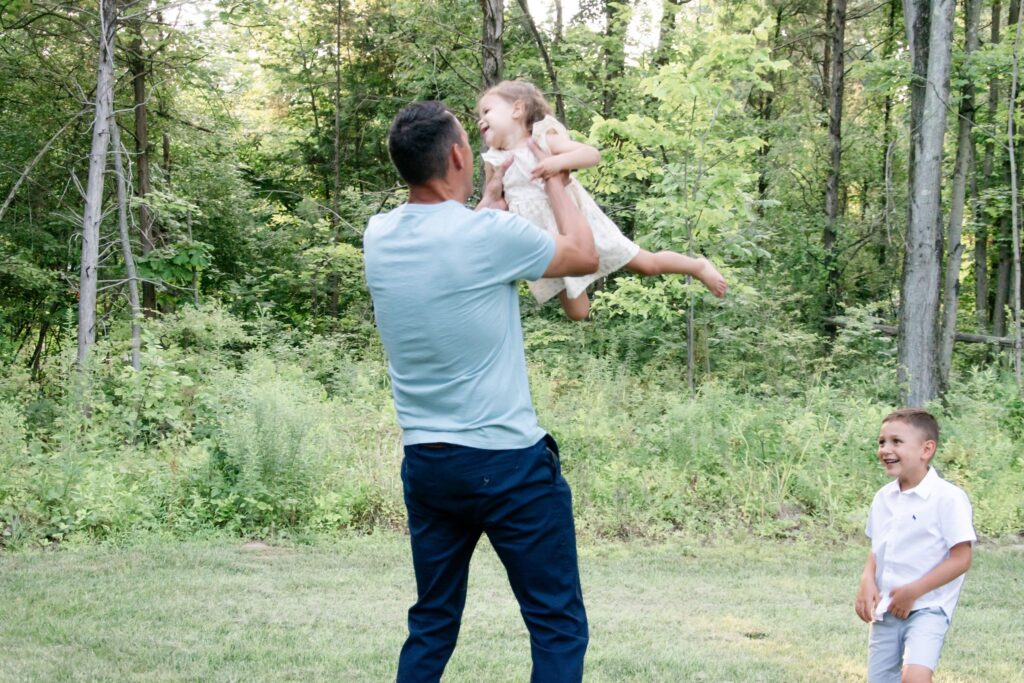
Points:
[(443, 282)]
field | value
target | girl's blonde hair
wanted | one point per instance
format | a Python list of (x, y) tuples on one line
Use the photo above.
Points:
[(527, 93)]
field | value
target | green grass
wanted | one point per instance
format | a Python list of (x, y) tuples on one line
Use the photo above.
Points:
[(220, 611)]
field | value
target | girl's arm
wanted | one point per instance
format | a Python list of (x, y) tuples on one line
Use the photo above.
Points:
[(566, 155)]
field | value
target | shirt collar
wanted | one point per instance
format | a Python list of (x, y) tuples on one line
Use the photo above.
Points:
[(922, 490)]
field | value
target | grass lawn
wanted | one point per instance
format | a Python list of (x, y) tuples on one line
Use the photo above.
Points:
[(223, 611)]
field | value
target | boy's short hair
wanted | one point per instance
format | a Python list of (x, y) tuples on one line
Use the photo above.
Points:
[(921, 419), (419, 139)]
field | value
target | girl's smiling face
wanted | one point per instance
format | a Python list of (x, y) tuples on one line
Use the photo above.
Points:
[(501, 122), (905, 452)]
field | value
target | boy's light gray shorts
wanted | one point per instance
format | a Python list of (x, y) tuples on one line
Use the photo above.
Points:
[(894, 643)]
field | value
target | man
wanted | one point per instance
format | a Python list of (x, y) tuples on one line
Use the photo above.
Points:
[(443, 281)]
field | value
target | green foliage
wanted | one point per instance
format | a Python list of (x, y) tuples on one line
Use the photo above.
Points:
[(267, 409), (261, 434)]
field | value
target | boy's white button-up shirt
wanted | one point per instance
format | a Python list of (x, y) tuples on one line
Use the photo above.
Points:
[(912, 531)]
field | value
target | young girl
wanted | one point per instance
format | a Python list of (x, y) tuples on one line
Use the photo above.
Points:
[(513, 112)]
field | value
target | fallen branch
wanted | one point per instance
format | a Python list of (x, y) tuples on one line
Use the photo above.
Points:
[(890, 330)]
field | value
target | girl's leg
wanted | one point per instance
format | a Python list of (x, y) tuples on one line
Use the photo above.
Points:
[(576, 309), (662, 262)]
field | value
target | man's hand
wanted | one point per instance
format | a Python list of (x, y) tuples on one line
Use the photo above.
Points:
[(868, 598), (494, 188)]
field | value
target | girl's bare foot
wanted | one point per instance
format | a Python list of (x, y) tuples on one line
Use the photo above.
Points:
[(711, 278)]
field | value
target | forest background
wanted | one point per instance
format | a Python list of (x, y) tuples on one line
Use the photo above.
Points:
[(187, 340)]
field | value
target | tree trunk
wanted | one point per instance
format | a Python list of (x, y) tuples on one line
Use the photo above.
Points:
[(1004, 233), (826, 60), (93, 212), (835, 122), (614, 54), (887, 141), (37, 354), (1004, 260), (981, 302), (126, 243), (669, 10), (333, 280), (137, 65), (1014, 214), (763, 103), (531, 26), (964, 167), (919, 293), (493, 45)]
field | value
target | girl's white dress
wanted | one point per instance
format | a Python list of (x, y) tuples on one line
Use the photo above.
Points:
[(528, 199)]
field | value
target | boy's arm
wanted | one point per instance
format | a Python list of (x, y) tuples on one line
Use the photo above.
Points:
[(868, 596), (566, 155), (958, 562)]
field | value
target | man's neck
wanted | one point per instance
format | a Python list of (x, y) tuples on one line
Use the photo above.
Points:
[(434, 191)]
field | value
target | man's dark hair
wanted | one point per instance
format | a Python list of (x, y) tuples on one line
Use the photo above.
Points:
[(918, 418), (419, 140)]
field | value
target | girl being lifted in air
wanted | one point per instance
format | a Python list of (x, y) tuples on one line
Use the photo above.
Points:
[(511, 114)]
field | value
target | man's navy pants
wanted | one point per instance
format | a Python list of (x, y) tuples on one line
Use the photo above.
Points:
[(520, 500)]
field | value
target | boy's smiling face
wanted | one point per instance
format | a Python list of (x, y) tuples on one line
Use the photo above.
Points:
[(904, 451)]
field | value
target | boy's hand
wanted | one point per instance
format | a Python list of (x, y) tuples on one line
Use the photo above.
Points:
[(868, 598), (903, 600)]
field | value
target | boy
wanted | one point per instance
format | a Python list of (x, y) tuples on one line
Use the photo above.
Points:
[(921, 534)]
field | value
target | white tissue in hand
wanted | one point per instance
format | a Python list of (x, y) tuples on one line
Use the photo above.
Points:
[(882, 606)]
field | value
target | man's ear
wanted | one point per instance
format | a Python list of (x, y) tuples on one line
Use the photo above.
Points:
[(457, 157)]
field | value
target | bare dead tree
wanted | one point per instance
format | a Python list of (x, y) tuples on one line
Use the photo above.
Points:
[(126, 243), (964, 168), (93, 212)]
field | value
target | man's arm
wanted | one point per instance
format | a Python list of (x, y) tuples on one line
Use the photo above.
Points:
[(868, 596), (958, 562), (575, 253), (494, 194)]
